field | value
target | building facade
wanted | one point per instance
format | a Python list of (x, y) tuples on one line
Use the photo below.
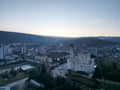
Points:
[(1, 52), (80, 62)]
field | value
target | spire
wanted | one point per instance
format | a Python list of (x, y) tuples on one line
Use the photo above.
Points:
[(72, 50)]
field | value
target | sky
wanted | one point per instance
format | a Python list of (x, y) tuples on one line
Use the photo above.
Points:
[(68, 18)]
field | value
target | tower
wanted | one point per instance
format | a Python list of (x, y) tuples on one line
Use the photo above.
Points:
[(71, 50), (70, 60)]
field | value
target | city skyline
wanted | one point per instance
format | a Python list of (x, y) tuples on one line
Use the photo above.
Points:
[(68, 18)]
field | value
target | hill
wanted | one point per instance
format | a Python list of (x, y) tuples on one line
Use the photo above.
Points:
[(90, 42), (12, 37), (114, 39)]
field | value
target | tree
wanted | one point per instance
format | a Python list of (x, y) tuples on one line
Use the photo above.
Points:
[(43, 69), (109, 72)]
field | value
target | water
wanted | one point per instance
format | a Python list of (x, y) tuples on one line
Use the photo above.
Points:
[(24, 67)]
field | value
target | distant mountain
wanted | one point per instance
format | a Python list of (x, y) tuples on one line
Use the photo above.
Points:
[(114, 39), (90, 42), (12, 37)]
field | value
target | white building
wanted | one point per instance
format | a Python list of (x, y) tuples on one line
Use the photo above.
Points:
[(80, 62), (8, 50), (59, 70), (1, 52), (31, 52), (5, 50), (23, 50), (6, 47), (43, 59)]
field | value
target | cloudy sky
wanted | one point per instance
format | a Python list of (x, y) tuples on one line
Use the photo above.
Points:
[(69, 18)]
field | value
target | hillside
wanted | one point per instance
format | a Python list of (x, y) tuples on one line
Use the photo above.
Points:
[(90, 42), (114, 39), (12, 37)]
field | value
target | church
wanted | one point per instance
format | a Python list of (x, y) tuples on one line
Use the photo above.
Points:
[(80, 61), (76, 62)]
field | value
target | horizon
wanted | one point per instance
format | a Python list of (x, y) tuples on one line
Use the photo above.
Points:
[(61, 18), (53, 36)]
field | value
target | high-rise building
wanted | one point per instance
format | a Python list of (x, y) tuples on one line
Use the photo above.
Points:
[(6, 51), (1, 52), (23, 50)]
